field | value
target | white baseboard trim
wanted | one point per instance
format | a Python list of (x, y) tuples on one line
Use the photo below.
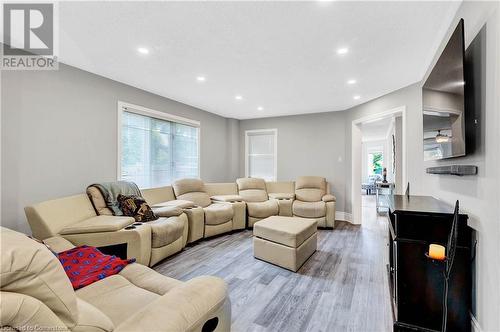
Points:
[(475, 324), (345, 216)]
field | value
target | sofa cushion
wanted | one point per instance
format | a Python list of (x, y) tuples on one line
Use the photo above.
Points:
[(251, 183), (165, 231), (136, 207), (192, 190), (180, 203), (289, 231), (310, 188), (254, 195), (252, 189), (167, 211), (263, 209), (227, 198), (198, 198), (149, 279), (116, 297), (98, 201), (158, 195), (309, 194), (30, 268), (309, 209), (218, 213)]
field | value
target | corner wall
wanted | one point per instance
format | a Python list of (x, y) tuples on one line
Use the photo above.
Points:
[(59, 134), (312, 144)]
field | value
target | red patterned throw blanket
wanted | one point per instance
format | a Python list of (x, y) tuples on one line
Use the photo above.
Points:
[(85, 265)]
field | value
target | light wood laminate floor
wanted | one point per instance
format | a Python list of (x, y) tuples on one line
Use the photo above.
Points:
[(342, 287)]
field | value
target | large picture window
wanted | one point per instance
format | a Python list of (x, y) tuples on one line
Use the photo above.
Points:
[(260, 147), (156, 148)]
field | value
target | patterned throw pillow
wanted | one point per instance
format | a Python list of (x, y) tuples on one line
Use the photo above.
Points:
[(85, 265), (136, 206)]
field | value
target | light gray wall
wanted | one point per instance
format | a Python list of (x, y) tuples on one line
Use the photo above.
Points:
[(478, 195), (59, 134), (307, 145), (410, 97)]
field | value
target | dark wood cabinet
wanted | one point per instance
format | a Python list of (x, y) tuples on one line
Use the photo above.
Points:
[(417, 282)]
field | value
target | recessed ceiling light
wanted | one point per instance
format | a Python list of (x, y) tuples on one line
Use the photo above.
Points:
[(260, 108), (201, 78), (356, 97), (143, 50), (238, 97), (351, 82), (342, 50)]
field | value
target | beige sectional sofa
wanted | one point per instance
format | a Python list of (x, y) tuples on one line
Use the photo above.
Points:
[(37, 295), (219, 211), (189, 211)]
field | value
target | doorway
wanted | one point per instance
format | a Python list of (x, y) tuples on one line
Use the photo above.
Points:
[(378, 155)]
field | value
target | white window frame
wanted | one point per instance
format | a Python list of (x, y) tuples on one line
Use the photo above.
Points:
[(248, 133), (141, 110)]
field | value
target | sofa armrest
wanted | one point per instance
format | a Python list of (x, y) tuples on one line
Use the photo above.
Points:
[(187, 307), (25, 313), (227, 198), (167, 211), (137, 239), (98, 224), (329, 198), (181, 203), (282, 195), (58, 244)]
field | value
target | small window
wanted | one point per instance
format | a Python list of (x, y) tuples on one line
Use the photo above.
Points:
[(260, 148), (156, 148)]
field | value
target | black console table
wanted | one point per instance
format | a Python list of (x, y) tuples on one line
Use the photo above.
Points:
[(417, 281)]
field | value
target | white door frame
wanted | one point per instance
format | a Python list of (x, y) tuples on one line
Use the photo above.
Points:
[(356, 157)]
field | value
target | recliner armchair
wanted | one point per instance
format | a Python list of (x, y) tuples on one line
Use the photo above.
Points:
[(259, 206), (36, 294), (218, 214), (312, 200)]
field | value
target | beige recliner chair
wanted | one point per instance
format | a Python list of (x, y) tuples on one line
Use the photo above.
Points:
[(168, 233), (259, 206), (36, 295), (218, 214), (161, 198), (312, 200)]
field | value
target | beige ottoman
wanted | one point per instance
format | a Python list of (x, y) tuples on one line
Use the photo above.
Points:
[(285, 241)]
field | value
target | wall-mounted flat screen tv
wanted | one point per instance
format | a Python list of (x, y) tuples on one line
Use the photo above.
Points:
[(443, 102)]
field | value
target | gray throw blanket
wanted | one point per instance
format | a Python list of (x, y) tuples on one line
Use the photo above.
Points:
[(111, 190)]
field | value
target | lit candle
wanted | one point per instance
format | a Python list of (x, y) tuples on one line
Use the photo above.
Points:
[(436, 251)]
